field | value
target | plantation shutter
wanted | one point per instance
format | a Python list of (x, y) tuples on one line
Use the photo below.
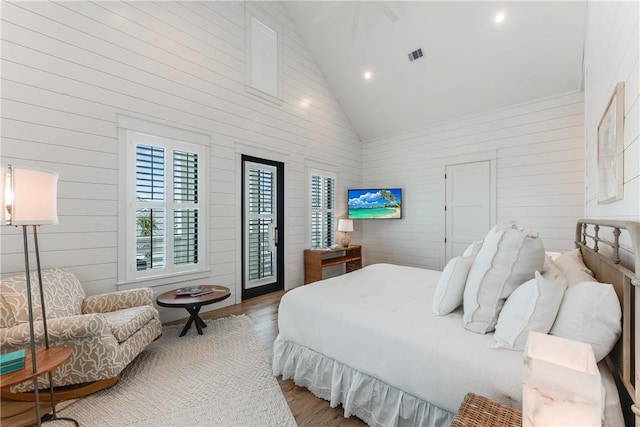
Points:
[(154, 212), (150, 212), (261, 201), (322, 211), (185, 214)]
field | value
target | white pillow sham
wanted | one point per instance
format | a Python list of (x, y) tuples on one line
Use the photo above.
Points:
[(448, 294), (473, 248), (533, 306), (573, 267), (508, 258), (590, 312)]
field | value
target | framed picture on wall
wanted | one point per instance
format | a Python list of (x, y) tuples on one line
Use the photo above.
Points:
[(611, 149)]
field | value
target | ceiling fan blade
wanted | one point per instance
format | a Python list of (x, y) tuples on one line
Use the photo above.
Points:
[(326, 12), (387, 10), (356, 19)]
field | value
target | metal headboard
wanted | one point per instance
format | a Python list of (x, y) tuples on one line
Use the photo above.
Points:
[(622, 270)]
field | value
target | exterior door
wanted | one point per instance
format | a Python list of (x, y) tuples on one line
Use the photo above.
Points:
[(262, 226), (469, 205)]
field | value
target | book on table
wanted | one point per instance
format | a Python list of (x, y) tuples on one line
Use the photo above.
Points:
[(192, 291), (13, 361)]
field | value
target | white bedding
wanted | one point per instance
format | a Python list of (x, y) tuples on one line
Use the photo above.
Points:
[(379, 321)]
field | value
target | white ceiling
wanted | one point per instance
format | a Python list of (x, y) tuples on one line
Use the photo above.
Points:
[(470, 64)]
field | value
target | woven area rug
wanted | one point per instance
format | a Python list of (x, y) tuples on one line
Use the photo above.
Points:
[(221, 378)]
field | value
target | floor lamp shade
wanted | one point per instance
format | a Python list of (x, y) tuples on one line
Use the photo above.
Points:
[(29, 197)]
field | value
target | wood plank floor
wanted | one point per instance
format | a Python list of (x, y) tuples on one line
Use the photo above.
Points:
[(307, 409)]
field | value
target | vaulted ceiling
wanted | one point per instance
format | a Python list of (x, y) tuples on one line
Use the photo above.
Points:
[(470, 64)]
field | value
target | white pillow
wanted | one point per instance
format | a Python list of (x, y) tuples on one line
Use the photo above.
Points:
[(508, 258), (473, 248), (552, 272), (590, 312), (573, 267), (448, 295), (531, 307)]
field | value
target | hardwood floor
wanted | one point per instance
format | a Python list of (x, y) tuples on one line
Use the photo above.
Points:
[(307, 409)]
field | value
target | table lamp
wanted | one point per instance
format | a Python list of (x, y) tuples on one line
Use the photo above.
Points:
[(561, 385), (29, 198), (345, 226)]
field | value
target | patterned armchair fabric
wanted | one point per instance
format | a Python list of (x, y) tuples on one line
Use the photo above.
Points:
[(104, 332)]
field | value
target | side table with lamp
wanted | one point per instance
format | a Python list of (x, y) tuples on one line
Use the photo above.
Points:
[(29, 198)]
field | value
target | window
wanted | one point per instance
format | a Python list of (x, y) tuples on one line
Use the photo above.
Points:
[(262, 56), (322, 187), (165, 216)]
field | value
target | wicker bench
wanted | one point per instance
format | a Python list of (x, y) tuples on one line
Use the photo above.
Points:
[(479, 411)]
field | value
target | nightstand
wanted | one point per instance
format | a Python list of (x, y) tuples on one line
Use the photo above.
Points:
[(317, 259)]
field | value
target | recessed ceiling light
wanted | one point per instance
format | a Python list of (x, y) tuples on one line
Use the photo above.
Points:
[(500, 17), (367, 75)]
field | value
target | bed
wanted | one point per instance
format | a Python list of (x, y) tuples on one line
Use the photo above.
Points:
[(368, 340)]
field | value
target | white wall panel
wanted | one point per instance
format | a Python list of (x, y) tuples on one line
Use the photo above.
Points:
[(68, 70), (538, 149), (612, 53)]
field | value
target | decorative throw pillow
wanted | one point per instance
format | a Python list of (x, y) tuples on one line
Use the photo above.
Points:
[(531, 307), (473, 248), (448, 294), (573, 267), (590, 312), (508, 258)]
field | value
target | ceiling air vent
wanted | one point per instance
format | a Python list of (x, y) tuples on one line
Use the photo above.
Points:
[(416, 54)]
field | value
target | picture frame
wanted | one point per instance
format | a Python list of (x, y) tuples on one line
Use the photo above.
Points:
[(611, 149)]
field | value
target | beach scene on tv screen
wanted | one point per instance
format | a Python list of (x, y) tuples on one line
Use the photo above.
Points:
[(375, 204)]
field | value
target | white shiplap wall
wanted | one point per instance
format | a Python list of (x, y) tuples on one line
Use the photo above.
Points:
[(539, 152), (612, 55), (68, 70)]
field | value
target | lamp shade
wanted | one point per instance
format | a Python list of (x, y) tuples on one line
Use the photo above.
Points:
[(345, 225), (29, 197)]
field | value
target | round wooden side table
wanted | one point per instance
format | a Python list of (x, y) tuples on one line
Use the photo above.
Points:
[(47, 359), (193, 304)]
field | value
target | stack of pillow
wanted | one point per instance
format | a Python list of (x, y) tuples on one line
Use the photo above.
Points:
[(507, 284)]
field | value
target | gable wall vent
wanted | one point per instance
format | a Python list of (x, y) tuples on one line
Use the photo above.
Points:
[(415, 55)]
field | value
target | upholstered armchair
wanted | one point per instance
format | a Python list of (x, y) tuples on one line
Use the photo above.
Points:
[(104, 332)]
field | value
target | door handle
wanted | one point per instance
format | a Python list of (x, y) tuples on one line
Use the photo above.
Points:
[(273, 230)]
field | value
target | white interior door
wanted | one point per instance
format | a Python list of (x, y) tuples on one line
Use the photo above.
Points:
[(469, 205)]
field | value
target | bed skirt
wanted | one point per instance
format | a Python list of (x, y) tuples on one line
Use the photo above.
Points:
[(371, 400)]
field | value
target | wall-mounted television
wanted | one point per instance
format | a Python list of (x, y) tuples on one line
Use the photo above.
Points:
[(374, 203)]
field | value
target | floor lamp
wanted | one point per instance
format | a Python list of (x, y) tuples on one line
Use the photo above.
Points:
[(29, 198)]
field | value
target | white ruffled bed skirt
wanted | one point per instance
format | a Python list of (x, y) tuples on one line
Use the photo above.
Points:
[(368, 398)]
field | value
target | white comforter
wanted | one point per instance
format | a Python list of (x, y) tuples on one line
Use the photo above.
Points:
[(379, 321)]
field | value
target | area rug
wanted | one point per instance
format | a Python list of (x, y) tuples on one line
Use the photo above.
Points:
[(221, 378)]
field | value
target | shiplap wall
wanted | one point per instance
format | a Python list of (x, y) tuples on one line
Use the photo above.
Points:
[(68, 70), (539, 152), (612, 55)]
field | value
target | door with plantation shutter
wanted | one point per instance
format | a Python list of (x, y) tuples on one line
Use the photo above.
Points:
[(263, 226)]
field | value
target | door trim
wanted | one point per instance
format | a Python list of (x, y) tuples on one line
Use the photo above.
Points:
[(280, 276)]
